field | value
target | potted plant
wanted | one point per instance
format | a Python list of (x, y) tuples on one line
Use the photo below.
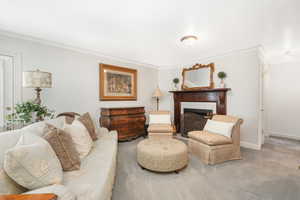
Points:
[(27, 113), (222, 75), (176, 81)]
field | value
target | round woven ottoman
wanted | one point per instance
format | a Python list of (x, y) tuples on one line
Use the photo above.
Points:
[(162, 155)]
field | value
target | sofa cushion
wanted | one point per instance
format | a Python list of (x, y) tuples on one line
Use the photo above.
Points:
[(209, 138), (38, 127), (61, 191), (32, 163), (8, 185), (69, 119), (97, 170), (160, 128), (64, 147), (87, 121), (80, 136)]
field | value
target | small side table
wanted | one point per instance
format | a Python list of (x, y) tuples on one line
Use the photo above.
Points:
[(28, 197)]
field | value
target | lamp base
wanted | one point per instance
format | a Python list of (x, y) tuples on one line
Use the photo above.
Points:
[(38, 96)]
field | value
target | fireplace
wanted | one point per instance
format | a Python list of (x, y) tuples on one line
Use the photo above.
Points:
[(194, 119), (216, 95)]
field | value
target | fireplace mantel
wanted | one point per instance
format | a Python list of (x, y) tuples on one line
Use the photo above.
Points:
[(217, 95)]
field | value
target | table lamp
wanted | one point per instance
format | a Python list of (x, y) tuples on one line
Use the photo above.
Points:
[(157, 94), (37, 79)]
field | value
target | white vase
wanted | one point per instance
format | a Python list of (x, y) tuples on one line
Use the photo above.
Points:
[(222, 84), (175, 87)]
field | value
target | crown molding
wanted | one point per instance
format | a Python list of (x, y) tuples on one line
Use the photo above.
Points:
[(73, 48), (207, 59)]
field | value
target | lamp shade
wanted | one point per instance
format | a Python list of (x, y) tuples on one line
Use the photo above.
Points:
[(157, 93), (37, 79)]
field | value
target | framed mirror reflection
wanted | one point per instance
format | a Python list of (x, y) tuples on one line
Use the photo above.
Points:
[(198, 77)]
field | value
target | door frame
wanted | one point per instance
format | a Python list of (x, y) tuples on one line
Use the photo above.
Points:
[(16, 76)]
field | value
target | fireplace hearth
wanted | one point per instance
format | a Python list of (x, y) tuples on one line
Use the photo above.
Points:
[(194, 119)]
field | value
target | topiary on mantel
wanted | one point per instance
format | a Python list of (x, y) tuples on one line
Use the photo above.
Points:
[(176, 81), (222, 75)]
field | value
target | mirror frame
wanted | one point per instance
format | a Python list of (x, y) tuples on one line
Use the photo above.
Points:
[(195, 67)]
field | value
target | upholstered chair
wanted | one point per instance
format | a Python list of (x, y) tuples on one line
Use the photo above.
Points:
[(160, 125), (212, 148)]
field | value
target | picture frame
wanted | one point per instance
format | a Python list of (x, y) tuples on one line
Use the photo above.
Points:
[(117, 83)]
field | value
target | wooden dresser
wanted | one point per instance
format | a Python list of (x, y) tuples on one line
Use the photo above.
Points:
[(128, 121)]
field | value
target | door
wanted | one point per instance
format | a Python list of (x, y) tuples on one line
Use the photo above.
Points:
[(7, 86)]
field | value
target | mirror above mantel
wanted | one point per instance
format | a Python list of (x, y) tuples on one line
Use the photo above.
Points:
[(198, 77)]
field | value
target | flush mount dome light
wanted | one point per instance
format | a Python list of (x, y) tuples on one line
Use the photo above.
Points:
[(189, 39)]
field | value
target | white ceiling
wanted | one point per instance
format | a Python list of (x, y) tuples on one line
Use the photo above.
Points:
[(148, 31)]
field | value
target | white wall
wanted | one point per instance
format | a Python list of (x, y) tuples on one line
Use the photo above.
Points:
[(76, 77), (282, 97), (242, 69)]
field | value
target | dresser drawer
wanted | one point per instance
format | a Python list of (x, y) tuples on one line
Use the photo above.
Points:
[(128, 122)]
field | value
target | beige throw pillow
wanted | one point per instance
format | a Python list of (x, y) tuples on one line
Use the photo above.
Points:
[(64, 147), (81, 137), (218, 127), (32, 163), (87, 121)]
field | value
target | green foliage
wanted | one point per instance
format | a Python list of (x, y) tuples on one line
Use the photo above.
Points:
[(24, 113), (222, 75), (176, 80)]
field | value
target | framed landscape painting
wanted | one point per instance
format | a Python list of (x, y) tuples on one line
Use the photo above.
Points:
[(117, 83)]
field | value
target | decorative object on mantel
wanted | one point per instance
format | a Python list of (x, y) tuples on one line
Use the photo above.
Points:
[(117, 83), (176, 81), (198, 77), (215, 95), (27, 113), (222, 75), (157, 94), (37, 79)]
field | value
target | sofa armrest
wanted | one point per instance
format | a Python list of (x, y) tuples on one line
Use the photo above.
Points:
[(61, 191), (104, 132)]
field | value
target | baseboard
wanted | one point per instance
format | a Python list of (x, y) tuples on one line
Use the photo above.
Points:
[(293, 137), (249, 145)]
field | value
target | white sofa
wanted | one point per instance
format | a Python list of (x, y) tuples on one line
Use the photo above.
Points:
[(95, 179)]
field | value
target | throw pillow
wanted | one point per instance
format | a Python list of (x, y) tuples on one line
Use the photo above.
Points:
[(80, 136), (63, 146), (69, 120), (32, 163), (222, 128), (87, 121)]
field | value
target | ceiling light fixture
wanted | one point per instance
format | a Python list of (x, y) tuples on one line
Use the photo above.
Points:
[(189, 39)]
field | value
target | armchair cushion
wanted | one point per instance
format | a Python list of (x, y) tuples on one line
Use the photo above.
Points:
[(160, 128), (221, 128), (159, 119), (209, 138)]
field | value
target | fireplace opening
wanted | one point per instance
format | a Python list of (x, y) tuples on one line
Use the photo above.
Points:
[(194, 119)]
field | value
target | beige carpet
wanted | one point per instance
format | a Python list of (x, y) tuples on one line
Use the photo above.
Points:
[(269, 174)]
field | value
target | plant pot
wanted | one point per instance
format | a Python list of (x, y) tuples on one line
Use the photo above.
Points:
[(222, 84), (175, 87)]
